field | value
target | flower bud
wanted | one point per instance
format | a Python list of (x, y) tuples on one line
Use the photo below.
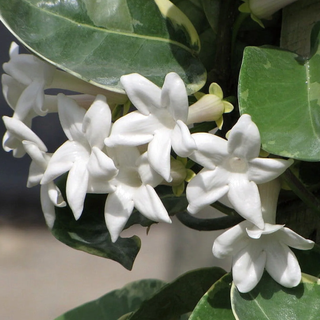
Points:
[(209, 107)]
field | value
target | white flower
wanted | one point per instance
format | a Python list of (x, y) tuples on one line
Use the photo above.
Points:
[(134, 187), (82, 155), (159, 121), (232, 168), (50, 194), (29, 75), (253, 249), (270, 251)]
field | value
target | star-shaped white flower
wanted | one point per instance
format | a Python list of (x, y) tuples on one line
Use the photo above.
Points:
[(159, 121), (134, 187), (232, 168), (253, 250), (29, 75), (90, 168)]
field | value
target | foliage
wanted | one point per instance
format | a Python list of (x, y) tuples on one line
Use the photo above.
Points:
[(202, 42)]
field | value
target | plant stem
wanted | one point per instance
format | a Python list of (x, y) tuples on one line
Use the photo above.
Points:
[(207, 224), (224, 209)]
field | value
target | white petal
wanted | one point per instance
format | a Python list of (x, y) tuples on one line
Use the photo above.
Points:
[(182, 141), (256, 233), (47, 206), (282, 265), (231, 241), (262, 170), (35, 174), (100, 164), (63, 159), (71, 118), (199, 196), (76, 187), (294, 240), (159, 153), (174, 97), (38, 156), (11, 143), (244, 197), (211, 150), (142, 92), (118, 208), (147, 174), (248, 267), (133, 129), (97, 122), (244, 139), (124, 156), (11, 90), (148, 203), (55, 195), (22, 132)]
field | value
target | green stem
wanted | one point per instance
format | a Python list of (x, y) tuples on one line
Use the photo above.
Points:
[(207, 224), (224, 209), (300, 190)]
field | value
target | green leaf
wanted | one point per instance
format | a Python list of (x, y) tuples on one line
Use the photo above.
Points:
[(281, 92), (178, 297), (270, 300), (90, 234), (116, 303), (215, 304), (99, 41)]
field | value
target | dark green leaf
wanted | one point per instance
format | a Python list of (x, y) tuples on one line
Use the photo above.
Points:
[(281, 92), (269, 300), (116, 303), (215, 304), (178, 297), (90, 233), (99, 41)]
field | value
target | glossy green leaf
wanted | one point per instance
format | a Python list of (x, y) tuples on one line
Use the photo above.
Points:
[(281, 92), (99, 41), (215, 304), (270, 300), (116, 303), (178, 297)]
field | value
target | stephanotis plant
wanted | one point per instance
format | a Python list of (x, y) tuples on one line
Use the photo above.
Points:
[(162, 121)]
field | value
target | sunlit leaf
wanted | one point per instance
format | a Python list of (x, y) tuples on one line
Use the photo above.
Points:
[(281, 91), (270, 300), (99, 41)]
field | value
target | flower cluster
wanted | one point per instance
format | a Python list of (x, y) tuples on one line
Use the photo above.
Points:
[(128, 158)]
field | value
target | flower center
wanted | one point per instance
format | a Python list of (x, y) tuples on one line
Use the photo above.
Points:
[(129, 176), (238, 164)]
